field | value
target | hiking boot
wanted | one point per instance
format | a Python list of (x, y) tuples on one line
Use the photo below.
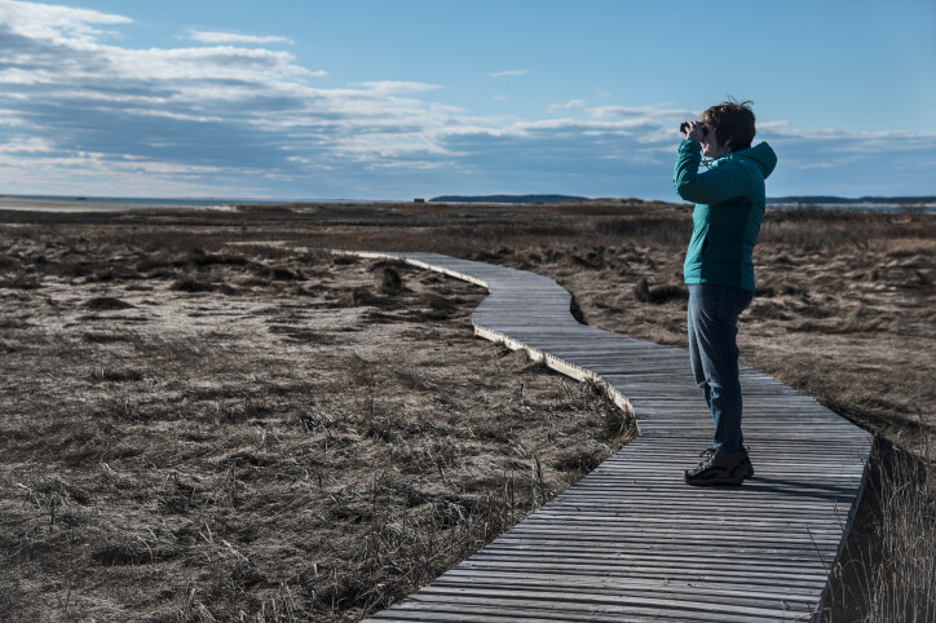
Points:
[(720, 468)]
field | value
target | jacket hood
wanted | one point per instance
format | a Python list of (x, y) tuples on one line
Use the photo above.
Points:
[(761, 154)]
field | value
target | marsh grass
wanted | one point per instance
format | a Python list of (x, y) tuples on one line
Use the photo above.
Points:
[(8, 264), (888, 570), (390, 280), (262, 456), (659, 294), (191, 285), (107, 303), (258, 455)]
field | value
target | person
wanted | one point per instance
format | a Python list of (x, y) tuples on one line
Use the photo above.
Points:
[(719, 271)]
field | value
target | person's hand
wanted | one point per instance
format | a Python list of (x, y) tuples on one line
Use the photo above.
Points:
[(694, 131)]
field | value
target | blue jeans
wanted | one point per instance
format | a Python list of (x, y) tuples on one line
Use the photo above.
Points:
[(713, 327)]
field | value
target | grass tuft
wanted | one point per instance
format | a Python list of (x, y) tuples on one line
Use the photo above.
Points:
[(107, 303), (191, 285), (659, 294)]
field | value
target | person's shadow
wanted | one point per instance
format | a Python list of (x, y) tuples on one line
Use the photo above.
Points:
[(802, 489)]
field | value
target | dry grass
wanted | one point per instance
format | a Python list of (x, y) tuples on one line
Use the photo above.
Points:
[(213, 436), (298, 449), (888, 572)]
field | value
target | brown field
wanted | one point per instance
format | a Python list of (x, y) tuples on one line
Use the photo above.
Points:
[(202, 421)]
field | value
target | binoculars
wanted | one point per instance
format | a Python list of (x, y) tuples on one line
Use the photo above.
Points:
[(684, 127)]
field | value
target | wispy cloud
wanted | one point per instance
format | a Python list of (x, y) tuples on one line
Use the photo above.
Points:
[(25, 145), (207, 36), (510, 72), (570, 105), (54, 23), (396, 86)]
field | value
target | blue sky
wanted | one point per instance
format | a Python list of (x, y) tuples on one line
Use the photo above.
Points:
[(394, 100)]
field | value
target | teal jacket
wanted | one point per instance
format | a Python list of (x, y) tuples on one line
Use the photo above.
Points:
[(730, 204)]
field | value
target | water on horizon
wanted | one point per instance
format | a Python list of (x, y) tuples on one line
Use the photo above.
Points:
[(83, 203), (89, 203)]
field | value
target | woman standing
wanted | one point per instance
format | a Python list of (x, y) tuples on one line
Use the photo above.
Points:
[(719, 271)]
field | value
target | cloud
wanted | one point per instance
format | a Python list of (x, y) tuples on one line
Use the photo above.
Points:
[(207, 36), (81, 110), (28, 145), (396, 86), (659, 111), (223, 104), (510, 72), (57, 23), (570, 105)]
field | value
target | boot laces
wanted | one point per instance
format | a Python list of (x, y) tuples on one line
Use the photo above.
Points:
[(708, 457)]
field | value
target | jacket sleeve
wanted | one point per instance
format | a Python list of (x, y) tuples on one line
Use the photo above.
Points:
[(714, 186)]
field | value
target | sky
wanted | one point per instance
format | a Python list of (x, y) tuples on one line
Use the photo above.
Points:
[(399, 99)]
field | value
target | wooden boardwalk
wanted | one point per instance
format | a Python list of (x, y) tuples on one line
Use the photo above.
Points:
[(631, 541)]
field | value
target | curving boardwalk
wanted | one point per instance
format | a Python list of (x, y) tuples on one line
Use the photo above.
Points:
[(630, 541)]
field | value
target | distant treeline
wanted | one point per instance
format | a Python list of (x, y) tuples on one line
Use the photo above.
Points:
[(507, 199), (831, 199), (795, 199)]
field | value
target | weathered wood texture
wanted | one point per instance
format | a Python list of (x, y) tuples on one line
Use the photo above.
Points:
[(631, 541)]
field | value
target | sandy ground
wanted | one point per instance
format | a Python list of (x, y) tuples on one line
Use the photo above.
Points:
[(202, 424)]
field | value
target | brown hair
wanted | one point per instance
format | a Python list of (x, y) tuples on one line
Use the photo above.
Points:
[(732, 121)]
